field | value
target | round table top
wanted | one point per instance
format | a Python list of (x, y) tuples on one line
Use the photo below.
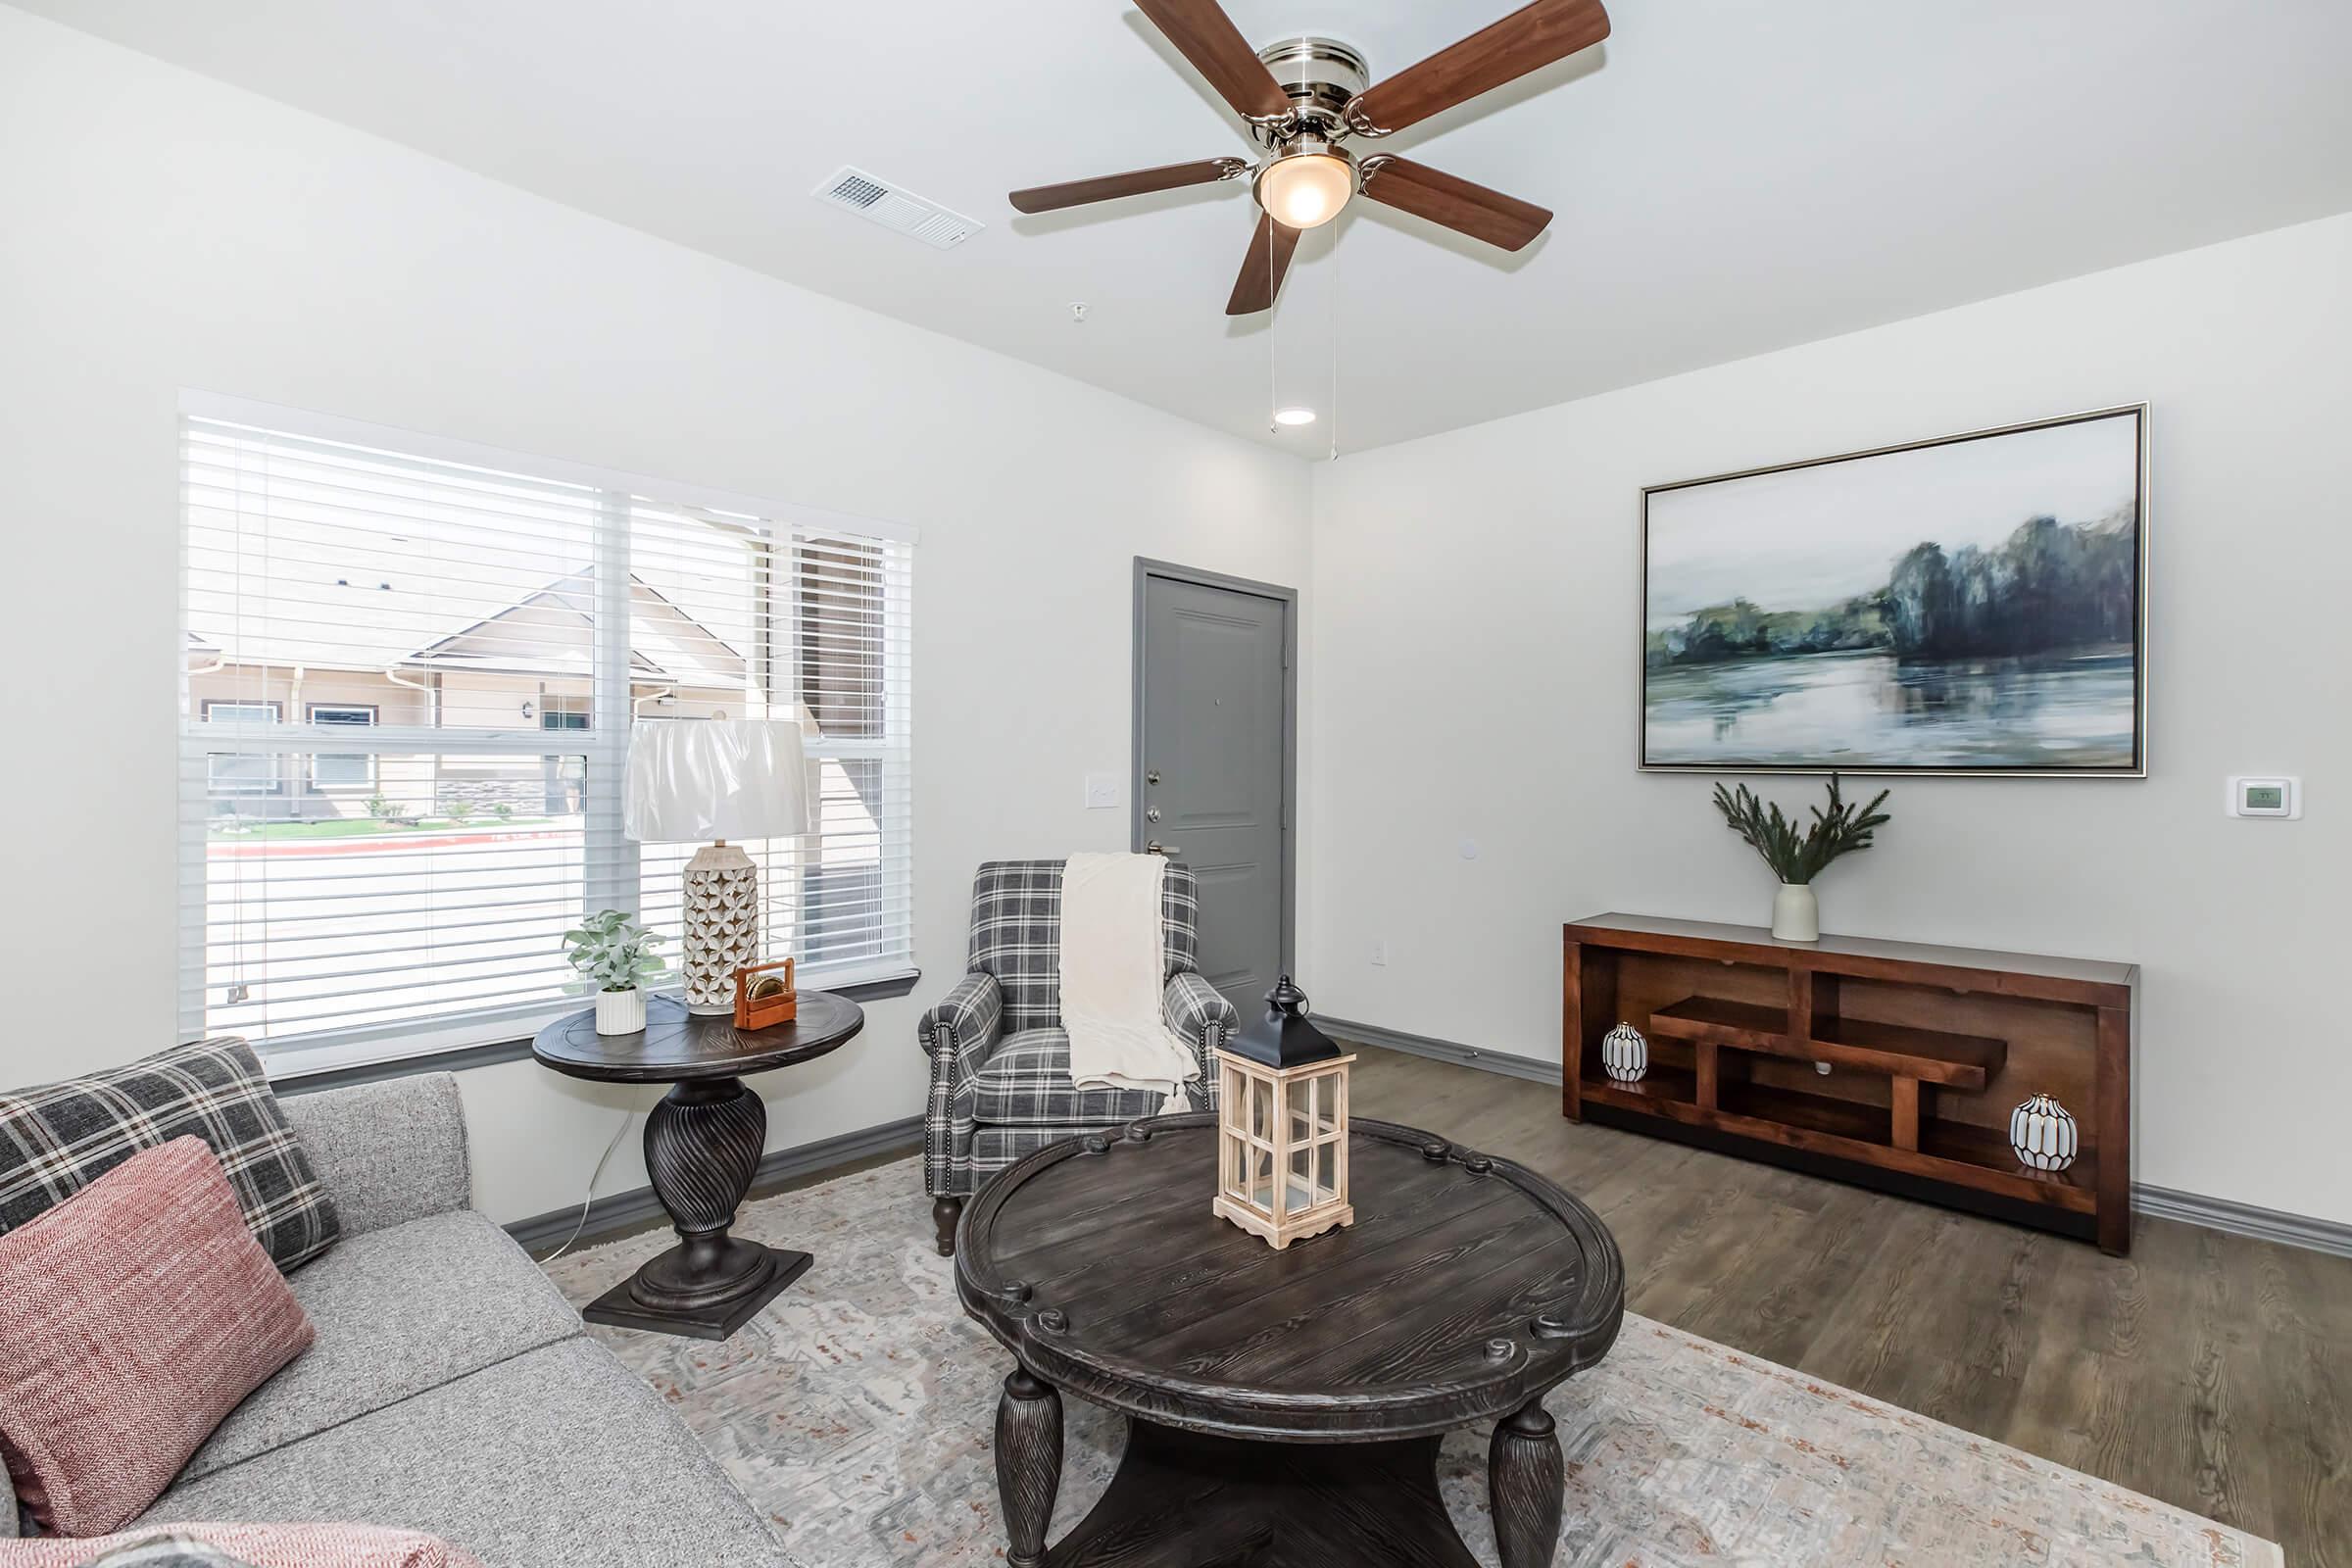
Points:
[(678, 1047), (1467, 1285)]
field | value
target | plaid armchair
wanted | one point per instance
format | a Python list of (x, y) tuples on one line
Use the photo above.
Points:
[(1000, 1059)]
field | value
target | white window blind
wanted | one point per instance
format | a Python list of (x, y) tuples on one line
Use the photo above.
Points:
[(407, 691)]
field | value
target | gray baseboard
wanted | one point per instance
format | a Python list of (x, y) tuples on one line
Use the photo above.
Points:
[(2243, 1219), (624, 1211), (1372, 1034), (2154, 1203)]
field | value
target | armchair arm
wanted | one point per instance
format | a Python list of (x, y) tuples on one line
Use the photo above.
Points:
[(966, 1019), (1192, 1007), (957, 1035)]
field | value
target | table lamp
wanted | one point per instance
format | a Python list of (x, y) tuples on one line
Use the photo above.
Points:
[(712, 780)]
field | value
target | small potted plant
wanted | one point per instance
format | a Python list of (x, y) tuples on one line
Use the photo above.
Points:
[(1797, 858), (613, 953)]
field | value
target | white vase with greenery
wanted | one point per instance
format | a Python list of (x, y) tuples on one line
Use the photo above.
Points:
[(613, 955), (1796, 859)]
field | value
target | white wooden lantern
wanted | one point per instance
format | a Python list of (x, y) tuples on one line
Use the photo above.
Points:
[(1282, 1132)]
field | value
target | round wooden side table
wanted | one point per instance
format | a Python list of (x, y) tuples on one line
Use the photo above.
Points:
[(1284, 1407), (702, 1147)]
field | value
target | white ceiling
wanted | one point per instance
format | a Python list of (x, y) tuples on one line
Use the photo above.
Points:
[(1730, 177)]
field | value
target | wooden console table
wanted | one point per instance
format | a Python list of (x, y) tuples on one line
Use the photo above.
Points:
[(1927, 1049)]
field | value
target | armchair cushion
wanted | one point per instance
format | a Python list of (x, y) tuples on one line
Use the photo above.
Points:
[(1025, 1082), (1016, 934)]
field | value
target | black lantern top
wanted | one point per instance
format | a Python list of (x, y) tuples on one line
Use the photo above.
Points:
[(1285, 1037)]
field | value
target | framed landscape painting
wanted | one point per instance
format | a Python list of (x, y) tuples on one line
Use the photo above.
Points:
[(1976, 603)]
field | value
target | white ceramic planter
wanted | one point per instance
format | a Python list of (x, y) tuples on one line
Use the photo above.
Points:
[(1795, 914), (620, 1012)]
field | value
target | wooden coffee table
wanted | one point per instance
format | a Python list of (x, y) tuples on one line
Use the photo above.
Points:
[(1283, 1408)]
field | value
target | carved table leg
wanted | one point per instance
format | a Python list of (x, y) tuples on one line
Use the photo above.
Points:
[(702, 1147), (1524, 1472), (945, 1210), (1028, 1463)]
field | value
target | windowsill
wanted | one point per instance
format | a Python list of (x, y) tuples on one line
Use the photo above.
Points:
[(459, 1058)]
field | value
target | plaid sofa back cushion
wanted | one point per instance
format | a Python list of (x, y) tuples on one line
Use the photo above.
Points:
[(1016, 934), (57, 1139)]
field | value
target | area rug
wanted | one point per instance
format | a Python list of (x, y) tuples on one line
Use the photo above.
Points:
[(857, 1412)]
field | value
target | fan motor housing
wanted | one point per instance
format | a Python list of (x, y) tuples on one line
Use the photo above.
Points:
[(1319, 73)]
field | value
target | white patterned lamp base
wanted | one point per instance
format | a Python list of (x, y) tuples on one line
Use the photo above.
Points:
[(722, 925), (1624, 1053), (2043, 1134)]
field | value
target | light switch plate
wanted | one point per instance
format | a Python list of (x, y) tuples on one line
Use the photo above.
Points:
[(1105, 791), (2271, 794)]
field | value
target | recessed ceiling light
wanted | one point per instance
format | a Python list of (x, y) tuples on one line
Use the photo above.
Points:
[(1294, 415)]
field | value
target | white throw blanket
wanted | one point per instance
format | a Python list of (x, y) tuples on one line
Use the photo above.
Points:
[(1113, 974)]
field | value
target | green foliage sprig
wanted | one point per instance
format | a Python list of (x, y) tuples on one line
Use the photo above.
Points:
[(611, 951), (1800, 858)]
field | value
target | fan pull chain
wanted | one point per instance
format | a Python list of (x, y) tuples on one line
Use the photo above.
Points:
[(1332, 316)]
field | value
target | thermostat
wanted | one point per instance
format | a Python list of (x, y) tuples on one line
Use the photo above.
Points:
[(2271, 796)]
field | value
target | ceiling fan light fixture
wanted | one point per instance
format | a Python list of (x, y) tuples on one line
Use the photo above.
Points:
[(1306, 184)]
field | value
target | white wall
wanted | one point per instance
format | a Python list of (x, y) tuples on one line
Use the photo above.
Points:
[(1477, 653), (159, 231)]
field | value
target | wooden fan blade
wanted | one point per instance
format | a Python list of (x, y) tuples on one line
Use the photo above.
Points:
[(1206, 35), (1452, 201), (1525, 40), (1262, 268), (1108, 187)]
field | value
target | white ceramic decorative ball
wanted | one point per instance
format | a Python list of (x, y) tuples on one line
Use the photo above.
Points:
[(1624, 1053), (2044, 1134)]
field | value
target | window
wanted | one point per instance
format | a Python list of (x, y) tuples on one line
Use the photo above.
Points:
[(353, 772), (232, 773), (467, 637)]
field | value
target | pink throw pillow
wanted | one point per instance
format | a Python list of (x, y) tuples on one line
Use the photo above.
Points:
[(133, 1318), (260, 1546)]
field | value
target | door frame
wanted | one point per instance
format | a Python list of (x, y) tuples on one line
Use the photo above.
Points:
[(1146, 569)]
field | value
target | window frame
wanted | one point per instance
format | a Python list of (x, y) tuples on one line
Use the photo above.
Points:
[(275, 786), (310, 715), (358, 1052)]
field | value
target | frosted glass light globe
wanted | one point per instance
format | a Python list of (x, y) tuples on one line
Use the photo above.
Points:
[(1305, 190)]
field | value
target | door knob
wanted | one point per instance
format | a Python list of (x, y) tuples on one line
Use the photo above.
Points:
[(1157, 847)]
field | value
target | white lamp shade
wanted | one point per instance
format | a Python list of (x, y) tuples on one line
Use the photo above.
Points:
[(693, 780)]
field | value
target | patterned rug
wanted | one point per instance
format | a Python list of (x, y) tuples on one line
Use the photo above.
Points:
[(857, 1412)]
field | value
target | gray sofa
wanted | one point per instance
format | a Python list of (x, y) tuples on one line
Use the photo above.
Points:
[(451, 1389)]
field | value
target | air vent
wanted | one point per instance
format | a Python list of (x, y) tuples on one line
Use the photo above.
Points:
[(880, 202)]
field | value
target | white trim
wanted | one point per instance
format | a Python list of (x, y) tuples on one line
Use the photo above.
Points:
[(334, 1051), (282, 420)]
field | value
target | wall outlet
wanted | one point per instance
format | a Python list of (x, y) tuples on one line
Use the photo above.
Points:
[(1380, 950), (1105, 791)]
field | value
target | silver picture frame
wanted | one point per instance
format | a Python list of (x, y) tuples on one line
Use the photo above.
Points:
[(2137, 768)]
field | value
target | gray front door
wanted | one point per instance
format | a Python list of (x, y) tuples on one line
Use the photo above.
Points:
[(1215, 738)]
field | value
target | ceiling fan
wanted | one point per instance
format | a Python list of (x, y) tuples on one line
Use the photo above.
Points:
[(1304, 99)]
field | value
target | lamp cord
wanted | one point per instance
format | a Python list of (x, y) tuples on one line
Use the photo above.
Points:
[(589, 1196)]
